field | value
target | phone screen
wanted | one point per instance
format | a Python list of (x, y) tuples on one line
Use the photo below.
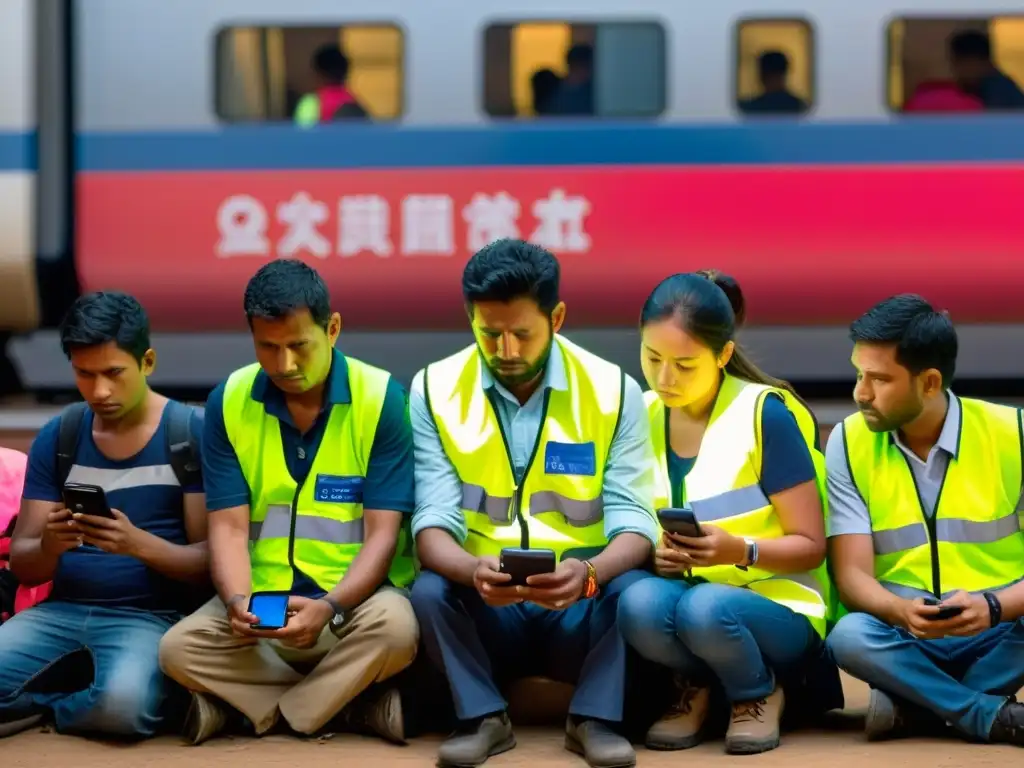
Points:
[(271, 611)]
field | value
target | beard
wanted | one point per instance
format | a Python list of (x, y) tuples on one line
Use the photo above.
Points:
[(890, 422), (512, 373)]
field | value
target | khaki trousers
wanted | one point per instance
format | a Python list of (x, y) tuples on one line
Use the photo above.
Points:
[(263, 679)]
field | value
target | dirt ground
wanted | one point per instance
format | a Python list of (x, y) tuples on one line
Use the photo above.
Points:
[(843, 746)]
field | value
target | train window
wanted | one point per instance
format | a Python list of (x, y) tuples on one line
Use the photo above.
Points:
[(563, 68), (955, 65), (302, 73), (774, 67)]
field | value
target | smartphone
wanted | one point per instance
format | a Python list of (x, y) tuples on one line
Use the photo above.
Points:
[(947, 612), (681, 521), (521, 563), (84, 499), (270, 609)]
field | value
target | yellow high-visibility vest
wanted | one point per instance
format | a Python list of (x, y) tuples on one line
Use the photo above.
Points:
[(318, 528), (557, 504), (973, 542), (723, 488)]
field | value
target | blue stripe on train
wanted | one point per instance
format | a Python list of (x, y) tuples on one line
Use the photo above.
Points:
[(918, 140), (17, 151)]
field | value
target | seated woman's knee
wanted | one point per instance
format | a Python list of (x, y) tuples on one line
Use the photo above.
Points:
[(704, 613), (641, 610), (129, 706)]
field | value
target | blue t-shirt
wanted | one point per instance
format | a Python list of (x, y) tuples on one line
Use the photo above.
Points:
[(785, 458), (143, 487), (390, 476)]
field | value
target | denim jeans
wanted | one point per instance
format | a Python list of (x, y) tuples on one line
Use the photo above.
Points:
[(707, 631), (963, 680), (128, 690)]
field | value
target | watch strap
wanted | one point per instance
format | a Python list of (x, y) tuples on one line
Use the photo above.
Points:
[(995, 608)]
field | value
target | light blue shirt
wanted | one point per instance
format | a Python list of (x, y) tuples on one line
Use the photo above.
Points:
[(629, 476), (848, 514)]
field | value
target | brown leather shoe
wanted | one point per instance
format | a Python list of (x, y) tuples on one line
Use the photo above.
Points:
[(381, 715), (599, 745), (682, 726), (477, 742), (754, 726)]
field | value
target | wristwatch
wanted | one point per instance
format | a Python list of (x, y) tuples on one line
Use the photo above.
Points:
[(338, 619), (750, 556)]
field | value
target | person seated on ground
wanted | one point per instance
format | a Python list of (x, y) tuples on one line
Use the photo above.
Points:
[(119, 581), (926, 547), (524, 439), (743, 605), (309, 467)]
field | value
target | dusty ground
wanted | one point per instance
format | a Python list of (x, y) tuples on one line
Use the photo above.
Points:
[(843, 747)]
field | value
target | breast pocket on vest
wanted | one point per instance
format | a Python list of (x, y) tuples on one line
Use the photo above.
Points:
[(570, 459), (339, 489)]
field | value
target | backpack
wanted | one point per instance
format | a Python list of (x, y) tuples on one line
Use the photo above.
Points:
[(182, 445)]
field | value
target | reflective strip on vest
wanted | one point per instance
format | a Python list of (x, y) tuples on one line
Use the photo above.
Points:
[(950, 529), (738, 501), (278, 523), (499, 508)]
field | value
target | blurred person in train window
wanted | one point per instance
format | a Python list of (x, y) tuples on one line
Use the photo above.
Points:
[(776, 98), (744, 605), (970, 55), (924, 496), (119, 582), (309, 467), (544, 85), (524, 439), (575, 93), (332, 100)]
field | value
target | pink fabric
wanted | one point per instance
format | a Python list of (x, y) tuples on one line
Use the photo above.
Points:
[(332, 98), (12, 481), (942, 96)]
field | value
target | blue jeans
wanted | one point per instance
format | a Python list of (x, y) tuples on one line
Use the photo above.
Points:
[(480, 649), (707, 631), (128, 688), (963, 680)]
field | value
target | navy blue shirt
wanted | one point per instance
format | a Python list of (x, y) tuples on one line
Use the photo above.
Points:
[(390, 476), (785, 458), (143, 487)]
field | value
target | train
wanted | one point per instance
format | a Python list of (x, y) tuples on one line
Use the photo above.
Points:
[(146, 146)]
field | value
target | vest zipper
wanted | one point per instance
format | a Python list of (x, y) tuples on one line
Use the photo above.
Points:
[(517, 490), (930, 523)]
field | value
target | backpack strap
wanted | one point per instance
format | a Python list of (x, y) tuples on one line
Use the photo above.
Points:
[(71, 419), (183, 443)]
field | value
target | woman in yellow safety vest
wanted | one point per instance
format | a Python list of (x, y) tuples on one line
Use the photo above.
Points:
[(742, 600)]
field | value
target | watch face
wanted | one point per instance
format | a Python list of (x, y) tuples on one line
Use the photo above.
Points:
[(337, 620)]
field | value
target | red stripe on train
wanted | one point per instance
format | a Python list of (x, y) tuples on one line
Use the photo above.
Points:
[(810, 245)]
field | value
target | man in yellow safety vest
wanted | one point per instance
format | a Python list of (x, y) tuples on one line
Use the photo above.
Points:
[(927, 550), (526, 441), (309, 488)]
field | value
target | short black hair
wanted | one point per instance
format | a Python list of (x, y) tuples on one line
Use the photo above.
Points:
[(104, 317), (330, 62), (773, 63), (510, 269), (285, 286), (970, 44), (924, 338), (580, 54)]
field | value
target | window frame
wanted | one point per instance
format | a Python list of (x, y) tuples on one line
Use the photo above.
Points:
[(489, 22), (737, 63), (227, 26)]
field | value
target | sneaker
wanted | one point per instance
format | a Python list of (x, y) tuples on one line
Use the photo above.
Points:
[(205, 719)]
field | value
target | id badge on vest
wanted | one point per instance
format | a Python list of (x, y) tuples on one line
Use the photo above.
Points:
[(570, 459), (339, 489)]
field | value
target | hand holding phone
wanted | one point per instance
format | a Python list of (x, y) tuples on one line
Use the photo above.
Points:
[(944, 612), (680, 520), (61, 533)]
